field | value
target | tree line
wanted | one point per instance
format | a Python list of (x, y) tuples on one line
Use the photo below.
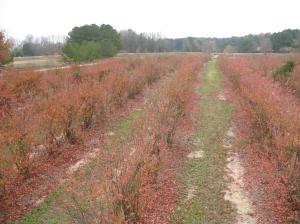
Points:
[(90, 42), (38, 46), (284, 41), (84, 43)]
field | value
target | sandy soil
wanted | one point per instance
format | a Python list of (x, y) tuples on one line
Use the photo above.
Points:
[(236, 192)]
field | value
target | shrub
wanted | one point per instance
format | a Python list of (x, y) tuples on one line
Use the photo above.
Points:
[(295, 81), (60, 120), (270, 116), (51, 126), (86, 51), (115, 188), (67, 116), (76, 73), (5, 106), (118, 89), (108, 49), (5, 169), (5, 47), (132, 172), (18, 141), (88, 106), (46, 109), (25, 84), (284, 71)]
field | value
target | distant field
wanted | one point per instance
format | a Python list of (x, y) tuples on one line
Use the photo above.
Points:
[(52, 61), (56, 60), (37, 62)]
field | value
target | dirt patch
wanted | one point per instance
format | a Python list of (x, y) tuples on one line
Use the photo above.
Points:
[(236, 192), (191, 192), (111, 133), (226, 144), (196, 154), (87, 158), (221, 96), (197, 142), (230, 133), (267, 190)]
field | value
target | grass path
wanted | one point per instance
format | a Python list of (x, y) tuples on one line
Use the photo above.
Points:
[(203, 176), (47, 212), (50, 209)]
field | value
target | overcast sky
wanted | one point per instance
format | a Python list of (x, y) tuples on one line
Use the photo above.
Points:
[(170, 18)]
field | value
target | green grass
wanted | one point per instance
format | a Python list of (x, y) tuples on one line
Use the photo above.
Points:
[(37, 214), (121, 127), (47, 212), (206, 174)]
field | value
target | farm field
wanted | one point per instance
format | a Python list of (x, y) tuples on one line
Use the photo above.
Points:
[(59, 111), (151, 138), (37, 62), (149, 112)]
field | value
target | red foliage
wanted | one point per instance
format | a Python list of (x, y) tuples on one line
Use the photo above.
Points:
[(41, 111), (44, 109), (5, 46), (24, 85), (132, 168), (267, 65), (270, 118), (136, 167), (45, 112)]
